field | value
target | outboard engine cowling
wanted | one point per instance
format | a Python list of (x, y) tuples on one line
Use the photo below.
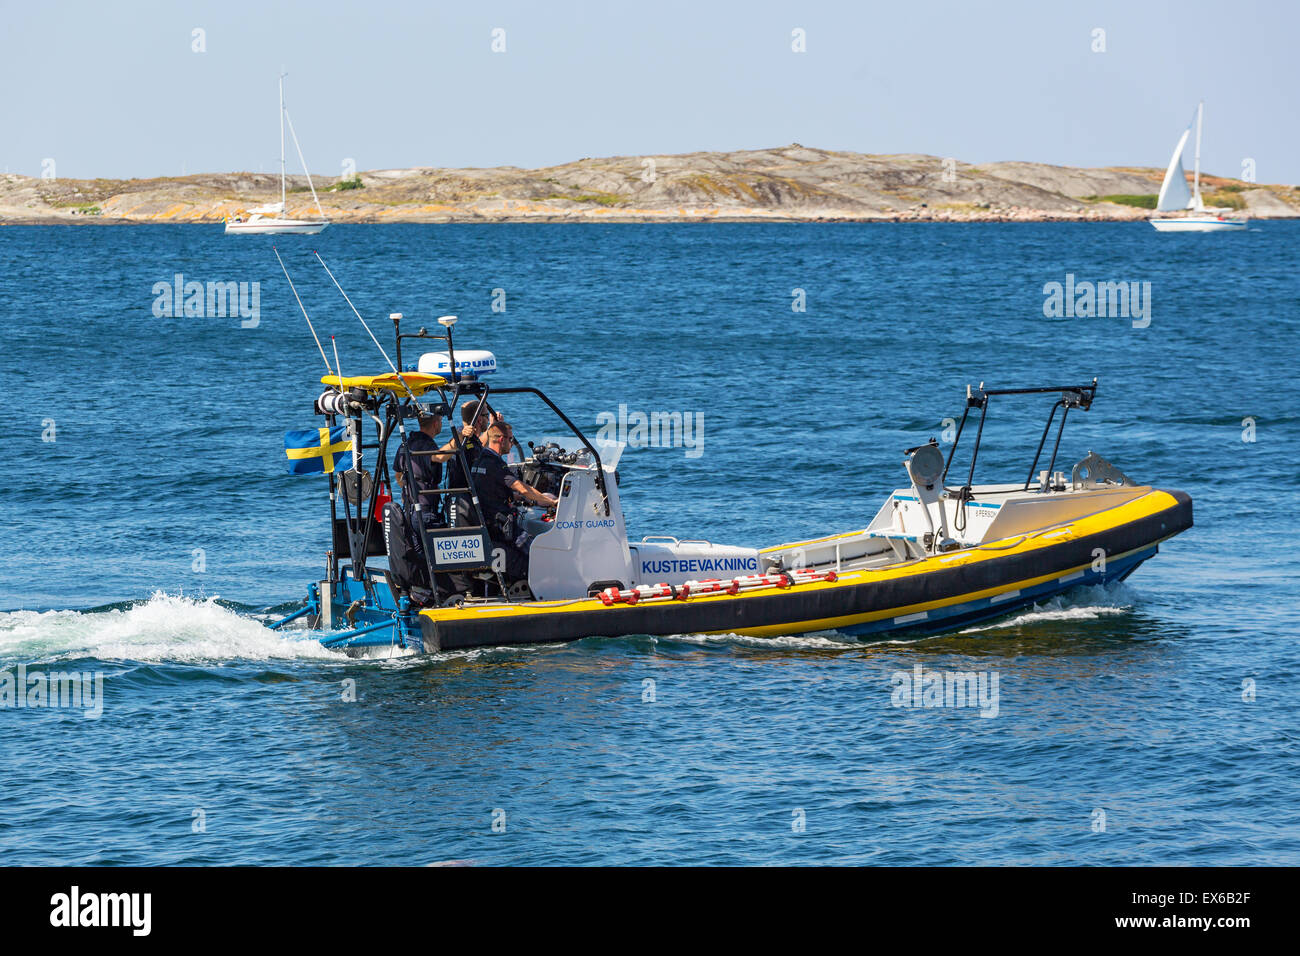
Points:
[(405, 560)]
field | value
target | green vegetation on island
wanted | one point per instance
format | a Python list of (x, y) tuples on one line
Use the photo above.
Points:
[(1126, 199)]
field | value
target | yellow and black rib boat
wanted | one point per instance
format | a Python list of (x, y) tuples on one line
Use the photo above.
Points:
[(939, 554)]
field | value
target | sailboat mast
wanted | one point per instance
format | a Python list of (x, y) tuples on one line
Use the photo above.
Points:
[(282, 144), (1196, 176)]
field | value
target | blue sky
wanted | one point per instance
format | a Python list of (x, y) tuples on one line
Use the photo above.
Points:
[(115, 89)]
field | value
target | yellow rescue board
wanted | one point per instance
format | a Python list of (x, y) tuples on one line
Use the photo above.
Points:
[(417, 382)]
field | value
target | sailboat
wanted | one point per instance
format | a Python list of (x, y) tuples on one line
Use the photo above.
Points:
[(1174, 196), (270, 218)]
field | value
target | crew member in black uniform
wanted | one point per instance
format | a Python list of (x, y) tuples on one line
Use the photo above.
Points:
[(497, 486), (424, 471), (419, 476)]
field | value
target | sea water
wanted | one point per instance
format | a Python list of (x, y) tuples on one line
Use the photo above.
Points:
[(150, 529)]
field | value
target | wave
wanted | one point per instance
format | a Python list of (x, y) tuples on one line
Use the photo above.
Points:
[(1088, 604), (818, 641), (165, 628), (178, 629)]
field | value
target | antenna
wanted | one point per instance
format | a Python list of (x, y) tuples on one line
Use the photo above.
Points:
[(447, 321), (366, 327), (356, 442), (1196, 176), (307, 317), (335, 346), (283, 74)]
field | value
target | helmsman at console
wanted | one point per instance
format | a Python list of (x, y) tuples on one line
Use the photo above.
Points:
[(497, 487)]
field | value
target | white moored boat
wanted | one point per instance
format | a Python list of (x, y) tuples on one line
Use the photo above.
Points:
[(270, 219), (1176, 198)]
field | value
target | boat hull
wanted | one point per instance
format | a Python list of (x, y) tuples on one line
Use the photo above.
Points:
[(936, 593), (275, 227), (1199, 224)]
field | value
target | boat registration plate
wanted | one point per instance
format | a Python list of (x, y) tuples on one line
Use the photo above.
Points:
[(456, 548)]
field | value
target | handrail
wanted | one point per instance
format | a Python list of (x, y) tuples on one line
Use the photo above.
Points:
[(577, 433)]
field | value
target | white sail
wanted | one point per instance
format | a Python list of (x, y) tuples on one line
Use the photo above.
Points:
[(270, 209), (1174, 193), (1175, 196)]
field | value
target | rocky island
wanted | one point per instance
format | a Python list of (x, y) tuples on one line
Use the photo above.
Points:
[(790, 183)]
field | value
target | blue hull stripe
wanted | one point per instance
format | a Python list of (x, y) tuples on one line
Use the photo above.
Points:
[(999, 605)]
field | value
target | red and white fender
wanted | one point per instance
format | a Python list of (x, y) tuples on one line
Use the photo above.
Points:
[(684, 592)]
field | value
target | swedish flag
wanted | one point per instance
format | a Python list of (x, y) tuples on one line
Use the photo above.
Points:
[(313, 451)]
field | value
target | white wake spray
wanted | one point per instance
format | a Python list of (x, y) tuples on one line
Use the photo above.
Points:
[(1084, 604), (164, 628)]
